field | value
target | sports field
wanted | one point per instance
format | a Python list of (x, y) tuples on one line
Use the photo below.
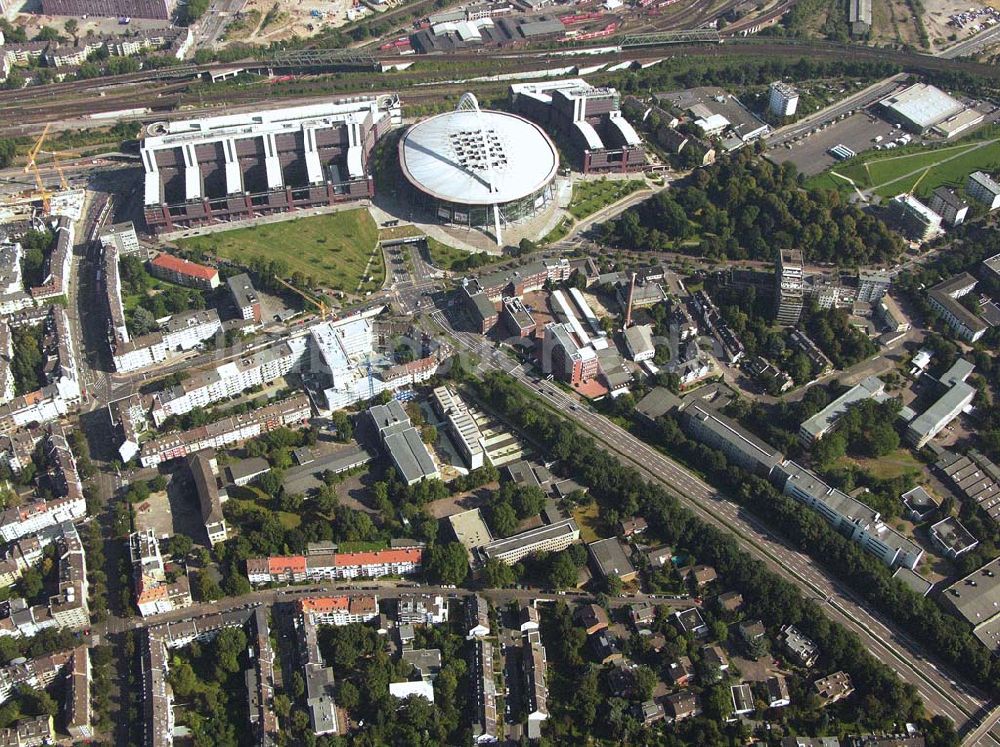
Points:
[(889, 173), (337, 250)]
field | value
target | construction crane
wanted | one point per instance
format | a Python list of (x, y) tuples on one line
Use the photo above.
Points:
[(59, 169), (324, 310), (917, 182), (32, 167)]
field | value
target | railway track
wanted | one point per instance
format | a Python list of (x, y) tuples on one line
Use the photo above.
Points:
[(166, 95)]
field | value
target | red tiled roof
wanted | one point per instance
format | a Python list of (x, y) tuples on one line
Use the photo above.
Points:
[(279, 564), (184, 267), (382, 557), (324, 604)]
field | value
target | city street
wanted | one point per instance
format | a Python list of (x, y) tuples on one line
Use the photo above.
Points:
[(940, 689)]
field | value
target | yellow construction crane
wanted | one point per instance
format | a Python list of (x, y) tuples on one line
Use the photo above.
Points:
[(318, 303), (59, 169), (917, 183)]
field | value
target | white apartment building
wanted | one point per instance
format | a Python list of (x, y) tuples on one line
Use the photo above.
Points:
[(982, 188), (421, 609), (32, 518), (333, 566), (339, 610), (548, 538), (783, 99), (230, 379), (182, 332)]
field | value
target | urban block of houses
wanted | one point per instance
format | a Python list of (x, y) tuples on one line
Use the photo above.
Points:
[(401, 561)]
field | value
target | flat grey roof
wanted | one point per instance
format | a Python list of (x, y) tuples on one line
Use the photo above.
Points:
[(977, 596), (733, 433), (912, 580), (247, 467), (410, 455), (610, 557), (658, 402), (931, 418), (823, 420), (531, 536)]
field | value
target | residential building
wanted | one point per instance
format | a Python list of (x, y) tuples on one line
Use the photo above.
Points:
[(944, 296), (78, 711), (783, 99), (952, 538), (680, 672), (919, 503), (31, 731), (245, 297), (632, 526), (800, 649), (608, 559), (421, 609), (182, 332), (290, 412), (742, 697), (691, 621), (729, 601), (338, 610), (536, 692), (477, 617), (247, 470), (484, 726), (204, 468), (158, 9), (851, 517), (974, 478), (229, 379), (154, 595), (949, 206), (297, 568), (710, 427), (548, 538), (681, 706), (528, 618), (814, 428), (642, 614), (917, 221), (426, 661), (591, 617), (183, 272), (890, 316), (982, 188), (833, 688), (260, 682), (700, 575), (776, 688), (788, 287), (872, 285)]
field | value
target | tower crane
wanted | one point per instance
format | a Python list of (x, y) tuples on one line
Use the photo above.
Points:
[(324, 310)]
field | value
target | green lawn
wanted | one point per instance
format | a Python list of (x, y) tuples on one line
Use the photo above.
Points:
[(891, 173), (591, 196), (899, 462), (334, 249), (587, 519), (442, 255)]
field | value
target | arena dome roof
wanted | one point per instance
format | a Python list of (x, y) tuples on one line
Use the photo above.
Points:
[(446, 157)]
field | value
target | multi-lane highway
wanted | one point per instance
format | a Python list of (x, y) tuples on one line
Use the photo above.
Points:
[(940, 688)]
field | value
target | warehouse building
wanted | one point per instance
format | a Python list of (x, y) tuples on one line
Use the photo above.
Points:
[(920, 107), (242, 166)]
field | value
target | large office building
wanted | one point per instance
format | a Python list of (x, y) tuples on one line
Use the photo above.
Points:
[(242, 166), (548, 538), (976, 599), (479, 168), (462, 427), (814, 428), (788, 288), (708, 426), (403, 443), (957, 395), (588, 118), (944, 298), (851, 517)]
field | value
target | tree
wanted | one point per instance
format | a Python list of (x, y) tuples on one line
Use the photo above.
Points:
[(613, 585), (503, 519), (498, 575), (230, 643), (206, 588), (179, 545), (562, 571), (428, 434), (71, 27), (645, 682), (448, 563), (47, 33), (31, 583), (8, 149)]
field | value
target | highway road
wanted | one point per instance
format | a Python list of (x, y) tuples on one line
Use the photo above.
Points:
[(972, 45), (940, 689)]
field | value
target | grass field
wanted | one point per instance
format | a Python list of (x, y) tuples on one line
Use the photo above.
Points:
[(334, 249), (899, 462), (890, 173), (591, 196), (588, 521)]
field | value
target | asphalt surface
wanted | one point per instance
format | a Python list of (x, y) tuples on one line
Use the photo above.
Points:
[(939, 688)]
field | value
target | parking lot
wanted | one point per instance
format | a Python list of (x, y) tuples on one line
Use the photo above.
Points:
[(811, 155)]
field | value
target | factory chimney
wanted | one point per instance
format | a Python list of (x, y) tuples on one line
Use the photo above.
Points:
[(628, 309)]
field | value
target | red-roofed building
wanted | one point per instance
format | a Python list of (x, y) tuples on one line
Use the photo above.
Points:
[(181, 271), (340, 610), (332, 566)]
